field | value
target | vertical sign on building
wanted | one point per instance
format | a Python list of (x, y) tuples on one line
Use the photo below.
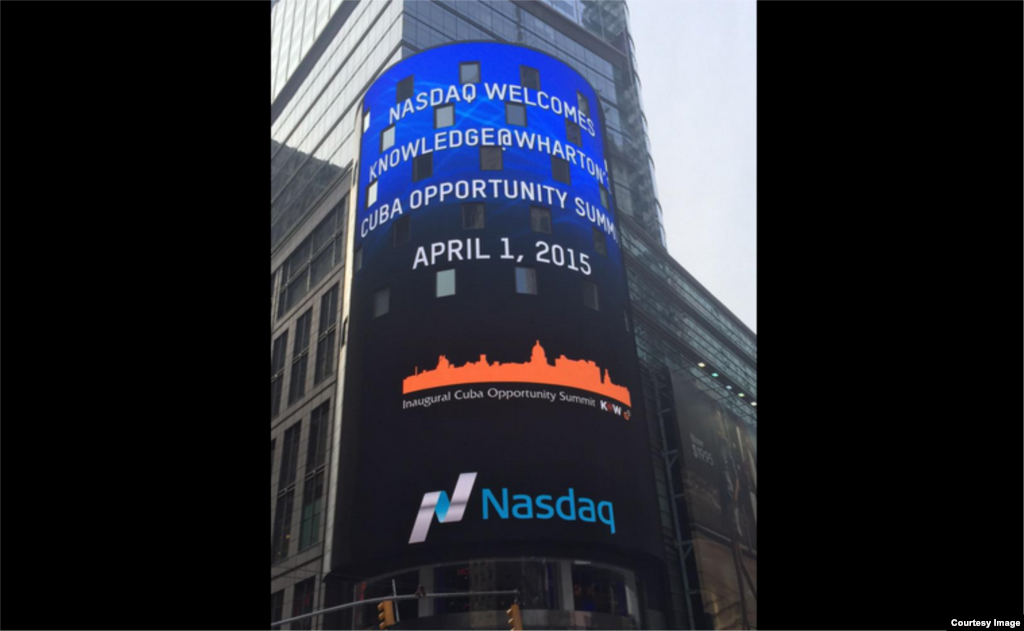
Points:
[(489, 325)]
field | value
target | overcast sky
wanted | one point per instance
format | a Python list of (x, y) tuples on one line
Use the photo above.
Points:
[(698, 71)]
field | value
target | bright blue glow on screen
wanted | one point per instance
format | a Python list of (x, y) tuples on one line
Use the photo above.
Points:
[(485, 113)]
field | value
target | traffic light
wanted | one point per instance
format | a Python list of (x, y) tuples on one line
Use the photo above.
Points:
[(387, 613), (515, 620)]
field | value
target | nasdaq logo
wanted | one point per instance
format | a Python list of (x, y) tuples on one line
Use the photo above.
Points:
[(567, 507), (437, 503)]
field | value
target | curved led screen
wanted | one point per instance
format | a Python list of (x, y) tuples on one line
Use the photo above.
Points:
[(491, 374)]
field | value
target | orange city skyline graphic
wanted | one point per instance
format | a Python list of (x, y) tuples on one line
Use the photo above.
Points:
[(582, 374)]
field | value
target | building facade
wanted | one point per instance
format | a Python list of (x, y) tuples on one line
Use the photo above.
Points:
[(694, 362)]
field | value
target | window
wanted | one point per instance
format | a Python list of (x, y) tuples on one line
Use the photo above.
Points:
[(490, 158), (446, 283), (623, 199), (469, 72), (387, 138), (604, 196), (473, 216), (572, 133), (319, 422), (312, 507), (300, 357), (277, 373), (590, 296), (515, 114), (327, 245), (599, 589), (560, 170), (276, 606), (526, 280), (600, 242), (533, 577), (313, 489), (371, 194), (402, 229), (422, 167), (302, 602), (404, 90), (282, 527), (314, 258), (540, 219), (290, 456), (325, 359), (529, 77), (294, 278), (380, 301), (444, 116), (285, 494), (584, 104)]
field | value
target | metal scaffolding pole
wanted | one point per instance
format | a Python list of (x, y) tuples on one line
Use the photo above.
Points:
[(667, 457)]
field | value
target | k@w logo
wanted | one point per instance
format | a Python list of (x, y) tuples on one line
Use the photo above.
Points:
[(436, 502), (618, 410)]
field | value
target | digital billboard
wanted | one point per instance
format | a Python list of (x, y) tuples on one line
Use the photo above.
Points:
[(491, 378), (719, 455)]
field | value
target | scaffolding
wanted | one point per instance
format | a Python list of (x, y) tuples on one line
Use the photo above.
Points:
[(662, 411)]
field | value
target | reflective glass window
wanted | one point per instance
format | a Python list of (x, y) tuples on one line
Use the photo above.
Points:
[(572, 133), (560, 170), (302, 602), (473, 216), (469, 72), (590, 296), (402, 230), (381, 300), (529, 77), (540, 219), (404, 90), (600, 244), (446, 283), (490, 158), (371, 194), (422, 167), (387, 138), (526, 280), (599, 589), (584, 104), (444, 116), (515, 114)]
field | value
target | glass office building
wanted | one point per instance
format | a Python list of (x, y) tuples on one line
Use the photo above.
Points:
[(697, 361)]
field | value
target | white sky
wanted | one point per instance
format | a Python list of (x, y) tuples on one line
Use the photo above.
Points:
[(697, 61)]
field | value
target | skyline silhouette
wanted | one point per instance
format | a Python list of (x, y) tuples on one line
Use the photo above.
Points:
[(582, 374)]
